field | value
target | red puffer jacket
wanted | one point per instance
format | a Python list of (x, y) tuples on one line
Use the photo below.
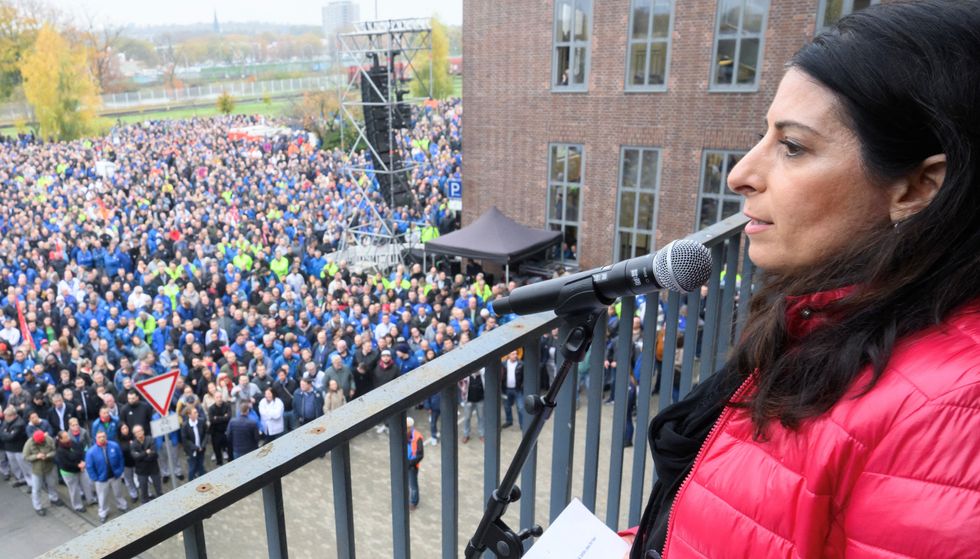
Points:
[(894, 473)]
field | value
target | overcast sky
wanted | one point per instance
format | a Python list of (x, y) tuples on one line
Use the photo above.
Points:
[(152, 12)]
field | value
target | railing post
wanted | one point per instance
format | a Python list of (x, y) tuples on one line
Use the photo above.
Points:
[(491, 448), (725, 322), (343, 503), (563, 450), (712, 309), (643, 391), (397, 450), (745, 291), (623, 349), (275, 520), (667, 367), (529, 473), (194, 544), (448, 403), (593, 425), (691, 335)]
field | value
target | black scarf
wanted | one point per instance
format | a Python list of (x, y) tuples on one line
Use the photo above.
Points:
[(676, 435)]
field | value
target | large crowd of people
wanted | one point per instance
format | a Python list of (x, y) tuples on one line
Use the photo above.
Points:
[(188, 246), (182, 245)]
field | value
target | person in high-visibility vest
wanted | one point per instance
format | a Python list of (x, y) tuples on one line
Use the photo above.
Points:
[(243, 261), (429, 232), (279, 265)]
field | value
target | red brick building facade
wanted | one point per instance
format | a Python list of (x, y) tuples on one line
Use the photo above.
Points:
[(521, 108)]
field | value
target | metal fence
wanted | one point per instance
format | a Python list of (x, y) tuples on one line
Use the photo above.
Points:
[(163, 96), (184, 510)]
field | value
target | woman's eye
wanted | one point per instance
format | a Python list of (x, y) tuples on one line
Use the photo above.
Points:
[(792, 148)]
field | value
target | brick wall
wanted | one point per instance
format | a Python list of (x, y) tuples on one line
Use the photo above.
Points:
[(512, 114)]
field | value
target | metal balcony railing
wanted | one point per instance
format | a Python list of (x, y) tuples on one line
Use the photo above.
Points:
[(181, 513)]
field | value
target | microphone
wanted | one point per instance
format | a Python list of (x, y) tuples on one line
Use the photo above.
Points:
[(681, 266)]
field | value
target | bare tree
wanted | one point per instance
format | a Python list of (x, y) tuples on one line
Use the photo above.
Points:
[(103, 46), (168, 62)]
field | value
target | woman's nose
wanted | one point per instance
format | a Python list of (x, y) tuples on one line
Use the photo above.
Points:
[(745, 177)]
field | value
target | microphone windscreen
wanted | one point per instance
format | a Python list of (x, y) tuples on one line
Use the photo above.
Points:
[(682, 266)]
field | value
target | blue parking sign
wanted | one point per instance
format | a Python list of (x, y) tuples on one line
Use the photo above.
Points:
[(454, 189)]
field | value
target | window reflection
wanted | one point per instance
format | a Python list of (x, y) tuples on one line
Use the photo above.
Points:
[(717, 202), (637, 201), (738, 43), (627, 209), (649, 43), (564, 196), (564, 21), (572, 38), (831, 11)]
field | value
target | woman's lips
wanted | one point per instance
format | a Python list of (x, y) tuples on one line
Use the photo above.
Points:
[(757, 226)]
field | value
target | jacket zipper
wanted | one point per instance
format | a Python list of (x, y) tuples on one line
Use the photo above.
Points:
[(722, 420)]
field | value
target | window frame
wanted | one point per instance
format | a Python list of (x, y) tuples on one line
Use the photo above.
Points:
[(572, 44), (761, 36), (649, 41), (725, 194), (563, 221), (847, 8), (634, 230)]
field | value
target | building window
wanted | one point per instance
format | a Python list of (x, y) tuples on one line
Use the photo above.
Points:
[(565, 170), (573, 27), (832, 10), (738, 44), (715, 201), (649, 44), (636, 215)]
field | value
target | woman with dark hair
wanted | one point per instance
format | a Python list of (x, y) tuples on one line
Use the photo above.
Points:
[(845, 422)]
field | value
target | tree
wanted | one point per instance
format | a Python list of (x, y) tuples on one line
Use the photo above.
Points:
[(169, 56), (18, 30), (317, 112), (59, 86), (102, 45), (139, 50), (442, 85), (226, 103)]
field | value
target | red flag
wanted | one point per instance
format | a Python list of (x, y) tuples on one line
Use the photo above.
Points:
[(23, 326)]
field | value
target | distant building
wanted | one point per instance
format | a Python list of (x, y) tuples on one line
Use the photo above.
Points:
[(339, 16), (617, 121), (217, 26)]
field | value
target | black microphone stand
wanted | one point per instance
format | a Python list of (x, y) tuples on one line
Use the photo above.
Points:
[(492, 533)]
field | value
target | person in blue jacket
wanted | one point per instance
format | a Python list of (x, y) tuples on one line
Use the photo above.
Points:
[(106, 424), (104, 465)]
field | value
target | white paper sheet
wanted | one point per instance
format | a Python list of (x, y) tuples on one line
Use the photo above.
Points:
[(578, 534)]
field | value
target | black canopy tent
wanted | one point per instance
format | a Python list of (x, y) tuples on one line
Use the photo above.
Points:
[(494, 237)]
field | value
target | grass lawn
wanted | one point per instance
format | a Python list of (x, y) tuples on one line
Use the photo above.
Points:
[(278, 107)]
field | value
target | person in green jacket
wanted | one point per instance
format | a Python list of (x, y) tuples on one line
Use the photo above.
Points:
[(171, 290), (330, 269), (429, 232), (146, 321), (279, 265), (39, 451), (243, 261)]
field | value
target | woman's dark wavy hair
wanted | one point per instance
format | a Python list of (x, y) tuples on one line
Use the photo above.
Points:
[(907, 78)]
